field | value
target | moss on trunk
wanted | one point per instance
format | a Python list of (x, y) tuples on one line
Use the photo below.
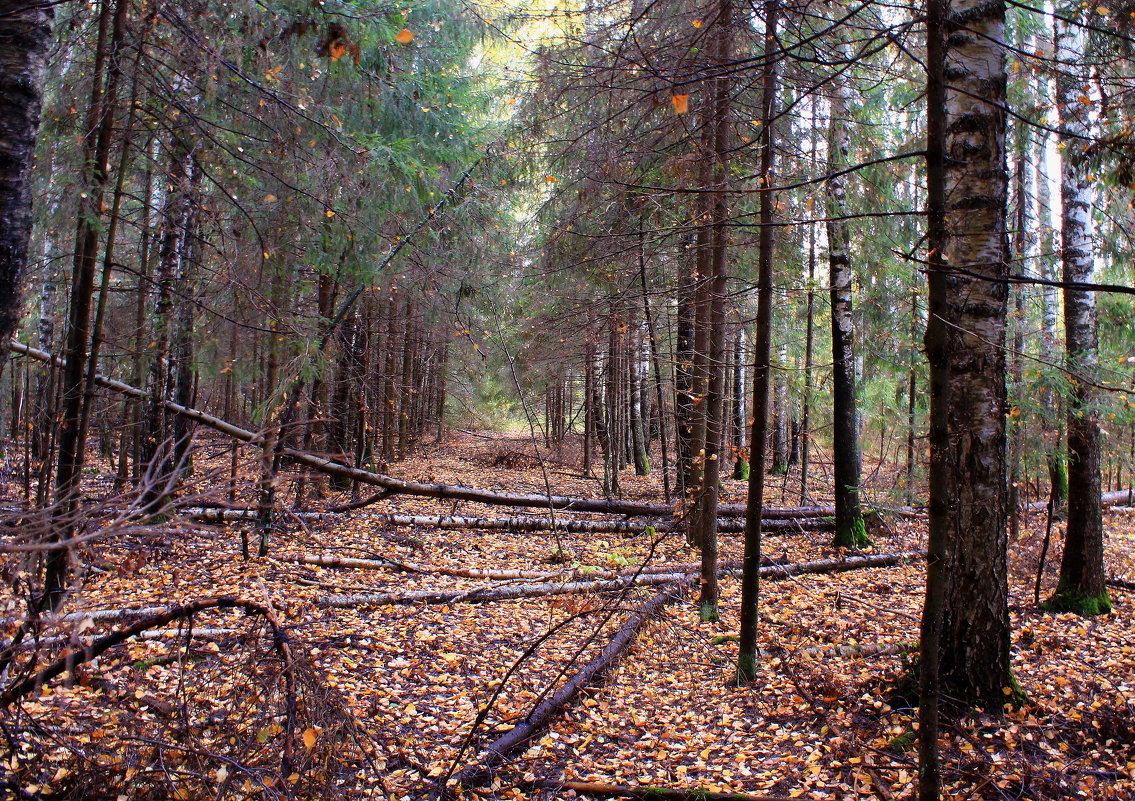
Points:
[(853, 536), (1067, 599)]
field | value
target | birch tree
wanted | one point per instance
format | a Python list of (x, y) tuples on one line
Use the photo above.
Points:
[(1082, 585), (25, 36)]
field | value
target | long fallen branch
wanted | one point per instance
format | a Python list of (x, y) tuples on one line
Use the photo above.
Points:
[(650, 793), (153, 634), (94, 615), (400, 487), (101, 645), (1124, 497), (857, 651), (494, 754), (404, 566), (642, 579), (725, 526), (567, 574)]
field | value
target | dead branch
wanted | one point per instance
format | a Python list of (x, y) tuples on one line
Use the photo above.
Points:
[(69, 660), (640, 578), (857, 651), (627, 527), (651, 793), (494, 754)]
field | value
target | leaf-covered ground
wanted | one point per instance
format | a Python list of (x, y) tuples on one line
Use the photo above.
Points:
[(387, 696)]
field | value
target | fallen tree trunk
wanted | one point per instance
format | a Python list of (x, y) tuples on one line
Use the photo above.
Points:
[(1113, 498), (651, 793), (730, 526), (538, 719), (575, 573), (518, 591), (84, 640), (857, 651), (395, 486)]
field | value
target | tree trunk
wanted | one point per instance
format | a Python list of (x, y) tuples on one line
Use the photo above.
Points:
[(1050, 401), (780, 413), (849, 528), (762, 357), (1082, 585), (76, 402), (684, 386), (639, 405), (966, 619), (809, 346), (740, 427), (157, 451), (25, 37), (655, 362), (1020, 253)]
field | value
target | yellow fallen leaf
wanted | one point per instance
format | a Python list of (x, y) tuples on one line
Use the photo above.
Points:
[(681, 103), (404, 36), (309, 737)]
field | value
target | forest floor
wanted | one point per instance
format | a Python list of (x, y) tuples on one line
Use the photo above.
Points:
[(388, 695)]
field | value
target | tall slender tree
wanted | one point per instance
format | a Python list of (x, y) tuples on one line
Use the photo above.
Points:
[(1082, 585), (850, 531), (762, 358)]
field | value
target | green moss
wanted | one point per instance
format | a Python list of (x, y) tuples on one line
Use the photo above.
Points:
[(746, 669), (1066, 599), (779, 470), (721, 639), (709, 612), (854, 536), (1017, 697), (741, 470), (904, 742)]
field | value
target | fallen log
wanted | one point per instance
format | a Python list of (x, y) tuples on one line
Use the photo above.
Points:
[(641, 579), (650, 793), (397, 486), (353, 563), (493, 593), (725, 526), (538, 719), (857, 651), (94, 615), (153, 634), (1125, 497)]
